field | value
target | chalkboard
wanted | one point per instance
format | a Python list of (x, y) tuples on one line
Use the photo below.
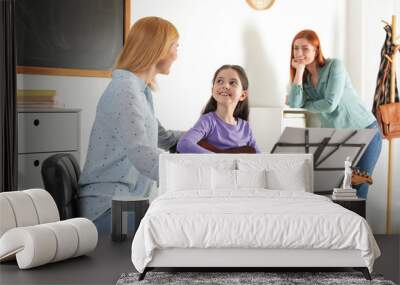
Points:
[(72, 35)]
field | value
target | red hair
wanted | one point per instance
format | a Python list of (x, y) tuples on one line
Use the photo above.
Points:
[(313, 38)]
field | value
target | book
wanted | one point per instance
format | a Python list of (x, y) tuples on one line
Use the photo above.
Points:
[(35, 99), (344, 194), (341, 190), (40, 105), (36, 103), (31, 92), (344, 198)]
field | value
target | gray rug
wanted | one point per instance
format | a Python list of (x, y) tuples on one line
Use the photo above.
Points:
[(243, 278)]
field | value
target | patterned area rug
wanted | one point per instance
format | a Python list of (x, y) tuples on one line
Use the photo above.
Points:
[(243, 278)]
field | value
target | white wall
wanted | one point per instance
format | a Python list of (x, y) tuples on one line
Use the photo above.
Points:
[(215, 32), (364, 41)]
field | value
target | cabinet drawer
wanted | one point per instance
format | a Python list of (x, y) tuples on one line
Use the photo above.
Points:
[(48, 132), (29, 169), (293, 120)]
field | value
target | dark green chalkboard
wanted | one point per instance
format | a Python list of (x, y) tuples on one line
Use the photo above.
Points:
[(69, 34)]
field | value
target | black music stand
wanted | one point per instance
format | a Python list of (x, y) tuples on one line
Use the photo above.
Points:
[(330, 147)]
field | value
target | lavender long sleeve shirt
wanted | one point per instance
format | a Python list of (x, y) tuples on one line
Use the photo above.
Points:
[(218, 133)]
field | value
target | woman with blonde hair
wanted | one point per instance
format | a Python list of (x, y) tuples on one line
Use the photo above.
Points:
[(323, 86), (123, 152)]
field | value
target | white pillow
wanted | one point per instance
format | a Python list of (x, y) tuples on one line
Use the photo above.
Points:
[(251, 178), (183, 177), (291, 176), (223, 179), (282, 174)]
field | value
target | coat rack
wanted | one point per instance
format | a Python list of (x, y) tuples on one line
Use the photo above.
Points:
[(392, 60)]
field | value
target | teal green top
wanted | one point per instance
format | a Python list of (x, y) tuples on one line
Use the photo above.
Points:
[(334, 98)]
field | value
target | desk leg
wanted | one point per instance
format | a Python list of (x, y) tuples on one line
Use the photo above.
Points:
[(140, 211), (116, 216), (124, 219)]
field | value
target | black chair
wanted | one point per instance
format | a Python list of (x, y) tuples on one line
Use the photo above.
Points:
[(60, 174)]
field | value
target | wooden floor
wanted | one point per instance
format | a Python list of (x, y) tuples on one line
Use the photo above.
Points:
[(110, 260)]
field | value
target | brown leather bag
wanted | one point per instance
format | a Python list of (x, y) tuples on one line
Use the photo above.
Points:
[(389, 117)]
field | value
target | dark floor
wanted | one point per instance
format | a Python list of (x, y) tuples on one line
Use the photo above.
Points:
[(389, 262), (110, 260), (102, 266)]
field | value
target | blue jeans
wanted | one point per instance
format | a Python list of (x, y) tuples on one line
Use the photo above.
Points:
[(103, 223), (369, 159), (95, 201)]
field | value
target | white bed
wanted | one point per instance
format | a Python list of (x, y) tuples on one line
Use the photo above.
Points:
[(221, 211)]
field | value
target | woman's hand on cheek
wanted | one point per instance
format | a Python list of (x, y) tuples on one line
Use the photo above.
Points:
[(298, 63)]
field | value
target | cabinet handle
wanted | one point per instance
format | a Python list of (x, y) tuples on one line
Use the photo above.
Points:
[(36, 122), (36, 163)]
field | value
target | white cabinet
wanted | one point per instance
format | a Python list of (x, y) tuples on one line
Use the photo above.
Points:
[(42, 133), (295, 118)]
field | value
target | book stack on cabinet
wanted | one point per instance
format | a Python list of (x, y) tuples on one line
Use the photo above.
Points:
[(37, 99)]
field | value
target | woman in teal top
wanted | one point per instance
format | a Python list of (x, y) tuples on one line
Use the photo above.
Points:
[(124, 143), (323, 86)]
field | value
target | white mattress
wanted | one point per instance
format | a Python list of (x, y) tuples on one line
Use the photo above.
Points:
[(252, 218)]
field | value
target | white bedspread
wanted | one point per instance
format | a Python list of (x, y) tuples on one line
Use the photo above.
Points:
[(250, 218)]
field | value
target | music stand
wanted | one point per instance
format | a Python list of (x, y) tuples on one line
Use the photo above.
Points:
[(330, 147)]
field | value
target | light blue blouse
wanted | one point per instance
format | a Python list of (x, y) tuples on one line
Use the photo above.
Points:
[(123, 147), (333, 98)]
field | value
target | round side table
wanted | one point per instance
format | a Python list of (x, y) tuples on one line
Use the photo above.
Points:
[(120, 207)]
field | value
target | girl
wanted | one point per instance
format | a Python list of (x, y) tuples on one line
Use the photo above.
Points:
[(323, 86), (224, 122), (123, 152)]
